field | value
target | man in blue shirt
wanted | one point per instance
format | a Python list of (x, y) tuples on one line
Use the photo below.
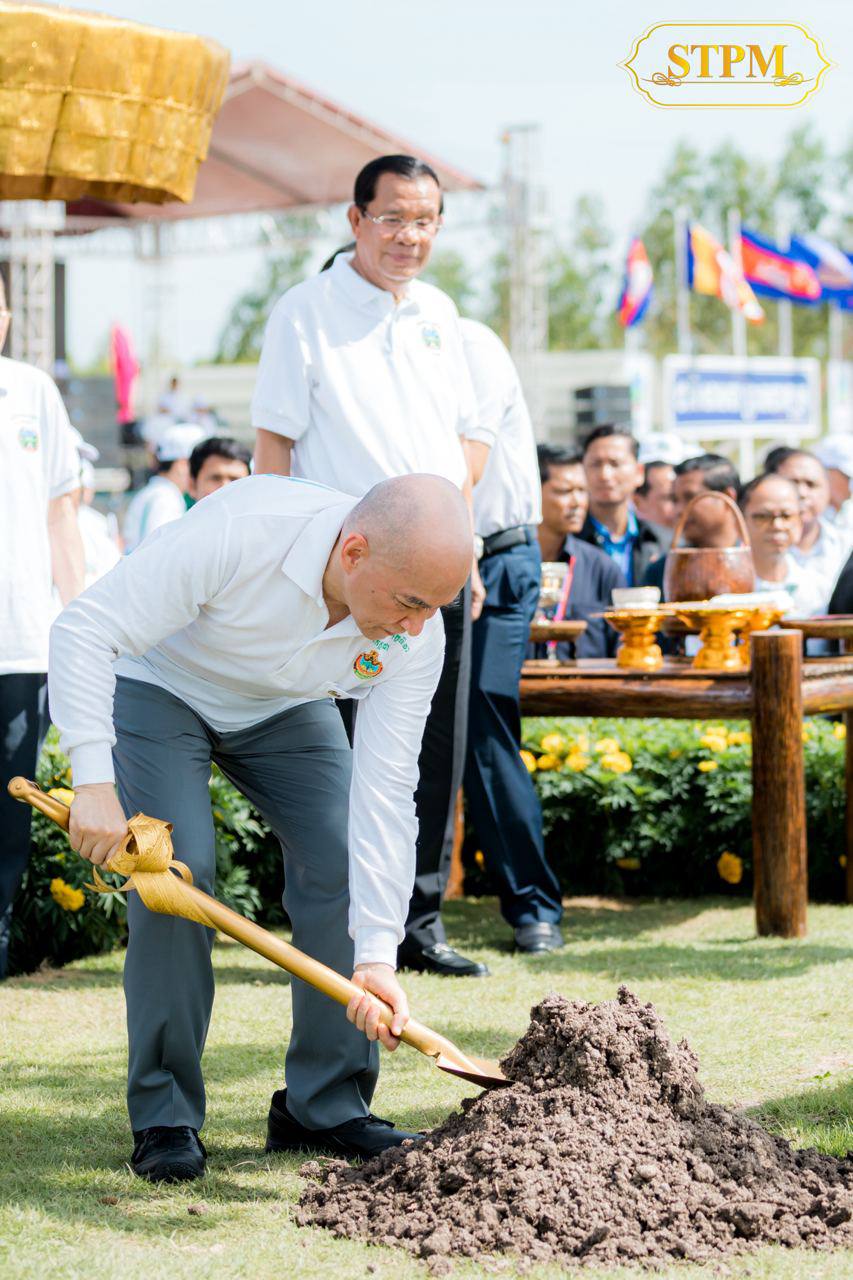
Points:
[(613, 474)]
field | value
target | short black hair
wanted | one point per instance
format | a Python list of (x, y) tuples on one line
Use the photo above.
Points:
[(749, 488), (718, 473), (218, 447), (608, 429), (776, 457), (550, 455), (403, 166), (645, 488)]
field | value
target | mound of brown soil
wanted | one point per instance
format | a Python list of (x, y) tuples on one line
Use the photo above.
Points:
[(602, 1150)]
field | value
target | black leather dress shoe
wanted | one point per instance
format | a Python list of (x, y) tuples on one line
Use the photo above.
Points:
[(440, 959), (358, 1139), (165, 1154), (538, 937)]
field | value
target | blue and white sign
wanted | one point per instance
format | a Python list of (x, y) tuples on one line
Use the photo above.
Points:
[(725, 396)]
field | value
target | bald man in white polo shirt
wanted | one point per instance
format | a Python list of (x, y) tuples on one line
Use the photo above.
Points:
[(227, 636), (362, 377)]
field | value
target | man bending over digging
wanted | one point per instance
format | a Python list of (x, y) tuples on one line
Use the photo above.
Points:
[(226, 637)]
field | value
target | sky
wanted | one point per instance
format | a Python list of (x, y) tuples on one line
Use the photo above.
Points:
[(451, 75)]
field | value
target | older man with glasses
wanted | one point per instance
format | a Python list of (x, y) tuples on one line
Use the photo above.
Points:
[(363, 377)]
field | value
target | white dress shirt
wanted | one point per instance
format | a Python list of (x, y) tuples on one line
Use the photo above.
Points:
[(509, 492), (160, 502), (225, 610), (823, 562), (367, 387), (38, 462)]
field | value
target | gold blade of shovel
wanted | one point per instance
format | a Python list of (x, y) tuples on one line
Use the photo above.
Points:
[(165, 885)]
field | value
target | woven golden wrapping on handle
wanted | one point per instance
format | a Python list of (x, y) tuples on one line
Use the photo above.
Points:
[(102, 107)]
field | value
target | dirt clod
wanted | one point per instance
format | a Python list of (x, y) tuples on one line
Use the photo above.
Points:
[(603, 1150)]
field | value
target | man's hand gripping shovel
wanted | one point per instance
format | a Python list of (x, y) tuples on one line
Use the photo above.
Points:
[(165, 885)]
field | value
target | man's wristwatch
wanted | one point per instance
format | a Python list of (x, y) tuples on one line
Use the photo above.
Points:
[(478, 546)]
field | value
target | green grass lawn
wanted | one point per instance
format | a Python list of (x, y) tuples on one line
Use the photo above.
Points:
[(770, 1020)]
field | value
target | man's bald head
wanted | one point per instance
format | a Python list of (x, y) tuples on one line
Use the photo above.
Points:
[(405, 550)]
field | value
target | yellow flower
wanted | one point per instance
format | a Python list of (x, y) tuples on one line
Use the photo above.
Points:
[(674, 754), (554, 744), (842, 861), (605, 746), (617, 762), (69, 898), (708, 766), (581, 742), (730, 868), (628, 864), (839, 731), (63, 794), (576, 761), (714, 741), (529, 761), (806, 736), (739, 738), (548, 762), (480, 859)]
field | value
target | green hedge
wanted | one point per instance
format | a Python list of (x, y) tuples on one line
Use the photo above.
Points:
[(656, 807)]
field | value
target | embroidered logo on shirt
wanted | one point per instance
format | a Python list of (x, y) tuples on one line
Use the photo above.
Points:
[(367, 665), (431, 336), (28, 438)]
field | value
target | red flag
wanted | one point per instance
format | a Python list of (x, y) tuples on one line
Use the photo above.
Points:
[(125, 372)]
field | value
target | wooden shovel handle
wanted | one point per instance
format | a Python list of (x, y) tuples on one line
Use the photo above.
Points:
[(23, 789)]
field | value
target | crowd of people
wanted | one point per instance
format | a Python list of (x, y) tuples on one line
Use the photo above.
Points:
[(329, 633)]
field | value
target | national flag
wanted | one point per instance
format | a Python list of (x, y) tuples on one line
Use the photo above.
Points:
[(636, 286), (773, 273), (833, 268), (712, 270)]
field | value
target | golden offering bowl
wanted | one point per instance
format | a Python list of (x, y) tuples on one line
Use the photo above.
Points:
[(761, 618), (637, 627), (718, 626)]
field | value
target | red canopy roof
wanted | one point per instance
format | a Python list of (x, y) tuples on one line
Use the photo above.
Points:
[(276, 145)]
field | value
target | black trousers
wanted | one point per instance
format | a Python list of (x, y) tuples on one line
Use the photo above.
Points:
[(502, 801), (23, 724), (441, 765)]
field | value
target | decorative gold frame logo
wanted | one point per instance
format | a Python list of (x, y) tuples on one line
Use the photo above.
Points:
[(783, 73)]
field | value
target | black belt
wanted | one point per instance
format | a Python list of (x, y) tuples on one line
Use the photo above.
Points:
[(506, 538)]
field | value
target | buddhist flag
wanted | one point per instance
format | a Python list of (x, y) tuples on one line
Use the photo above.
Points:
[(774, 273), (712, 270), (636, 286)]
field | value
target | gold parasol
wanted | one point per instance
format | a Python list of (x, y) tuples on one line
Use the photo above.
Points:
[(102, 107)]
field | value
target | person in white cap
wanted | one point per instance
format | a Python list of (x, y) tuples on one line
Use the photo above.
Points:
[(162, 499), (835, 451), (100, 545)]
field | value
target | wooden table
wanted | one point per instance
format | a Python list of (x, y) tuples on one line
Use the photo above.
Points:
[(774, 695)]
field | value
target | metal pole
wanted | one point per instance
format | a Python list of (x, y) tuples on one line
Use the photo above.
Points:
[(739, 347), (785, 308), (836, 332), (682, 292)]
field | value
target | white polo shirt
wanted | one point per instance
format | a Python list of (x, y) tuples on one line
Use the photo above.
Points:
[(38, 462), (509, 492), (158, 503), (367, 387), (225, 610)]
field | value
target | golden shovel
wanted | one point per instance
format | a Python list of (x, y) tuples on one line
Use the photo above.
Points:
[(165, 885)]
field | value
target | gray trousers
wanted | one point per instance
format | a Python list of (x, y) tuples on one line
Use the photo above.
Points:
[(295, 768)]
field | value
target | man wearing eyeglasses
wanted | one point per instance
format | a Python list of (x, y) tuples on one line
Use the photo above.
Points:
[(40, 547), (363, 377)]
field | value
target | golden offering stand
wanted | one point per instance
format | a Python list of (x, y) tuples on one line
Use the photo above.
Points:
[(638, 627), (718, 627)]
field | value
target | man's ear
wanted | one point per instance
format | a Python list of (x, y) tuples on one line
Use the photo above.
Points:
[(354, 218), (354, 551)]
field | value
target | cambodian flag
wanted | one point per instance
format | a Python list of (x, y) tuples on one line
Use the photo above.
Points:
[(833, 268), (636, 286), (776, 274)]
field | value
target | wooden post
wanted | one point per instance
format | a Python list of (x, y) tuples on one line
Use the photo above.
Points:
[(778, 784), (456, 880)]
